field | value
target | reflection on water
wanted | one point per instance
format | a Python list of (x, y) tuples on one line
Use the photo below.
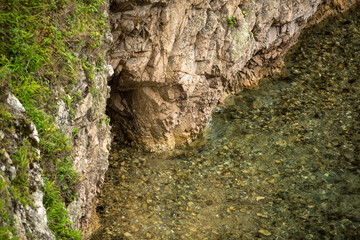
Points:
[(277, 162)]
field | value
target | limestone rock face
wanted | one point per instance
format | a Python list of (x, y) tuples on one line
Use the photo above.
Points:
[(30, 219), (175, 60), (89, 130), (91, 145), (81, 116)]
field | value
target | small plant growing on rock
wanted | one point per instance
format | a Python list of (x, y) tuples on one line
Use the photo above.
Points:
[(232, 21)]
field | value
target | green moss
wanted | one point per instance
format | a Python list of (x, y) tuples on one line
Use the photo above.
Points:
[(39, 42)]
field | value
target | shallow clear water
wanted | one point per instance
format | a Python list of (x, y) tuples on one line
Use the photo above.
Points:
[(277, 162)]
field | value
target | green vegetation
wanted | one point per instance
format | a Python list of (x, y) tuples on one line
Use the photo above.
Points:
[(21, 159), (232, 21), (6, 194), (39, 44), (15, 189), (6, 228), (75, 131), (57, 214), (244, 13)]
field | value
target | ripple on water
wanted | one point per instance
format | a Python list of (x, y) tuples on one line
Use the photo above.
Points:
[(278, 162)]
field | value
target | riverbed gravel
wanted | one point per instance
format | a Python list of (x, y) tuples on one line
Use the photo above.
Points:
[(277, 162)]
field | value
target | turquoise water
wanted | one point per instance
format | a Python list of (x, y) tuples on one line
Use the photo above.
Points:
[(277, 162)]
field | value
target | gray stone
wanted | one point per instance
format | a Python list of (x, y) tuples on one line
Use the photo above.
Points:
[(75, 213), (63, 113), (34, 133), (35, 176), (12, 173), (32, 219), (37, 215), (8, 166), (2, 135), (15, 103)]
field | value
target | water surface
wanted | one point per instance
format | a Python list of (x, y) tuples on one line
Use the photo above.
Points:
[(277, 162)]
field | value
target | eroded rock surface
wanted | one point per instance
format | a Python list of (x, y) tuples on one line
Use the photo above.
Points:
[(175, 60), (89, 130), (91, 145), (81, 116), (30, 220)]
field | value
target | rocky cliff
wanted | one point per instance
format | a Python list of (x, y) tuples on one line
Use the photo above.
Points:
[(22, 136), (54, 134), (175, 60), (91, 145), (22, 168)]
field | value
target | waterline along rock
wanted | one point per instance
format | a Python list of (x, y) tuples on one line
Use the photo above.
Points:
[(175, 61)]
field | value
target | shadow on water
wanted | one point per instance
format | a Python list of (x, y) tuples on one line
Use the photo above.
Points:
[(277, 162)]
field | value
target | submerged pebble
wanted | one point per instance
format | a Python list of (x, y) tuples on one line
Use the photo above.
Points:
[(277, 162)]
